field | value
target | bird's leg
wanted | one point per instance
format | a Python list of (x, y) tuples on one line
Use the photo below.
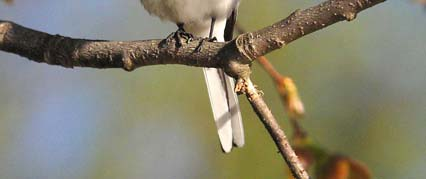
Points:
[(181, 33), (178, 36), (210, 38)]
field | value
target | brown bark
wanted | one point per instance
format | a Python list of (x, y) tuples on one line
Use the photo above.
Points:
[(234, 56)]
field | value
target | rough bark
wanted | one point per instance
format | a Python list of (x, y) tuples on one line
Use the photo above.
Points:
[(234, 56)]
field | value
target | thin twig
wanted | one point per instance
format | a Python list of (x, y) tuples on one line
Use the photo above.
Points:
[(269, 68), (69, 52), (286, 88), (274, 129), (269, 121), (289, 94)]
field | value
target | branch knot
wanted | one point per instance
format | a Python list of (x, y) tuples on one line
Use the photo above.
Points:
[(245, 46), (128, 63), (4, 28)]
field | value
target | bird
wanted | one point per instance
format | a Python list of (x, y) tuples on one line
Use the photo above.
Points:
[(211, 19)]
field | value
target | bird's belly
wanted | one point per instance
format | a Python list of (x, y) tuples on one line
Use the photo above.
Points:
[(190, 11)]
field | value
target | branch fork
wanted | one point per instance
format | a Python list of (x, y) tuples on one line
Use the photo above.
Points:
[(235, 57)]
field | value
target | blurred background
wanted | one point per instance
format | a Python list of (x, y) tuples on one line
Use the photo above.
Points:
[(363, 84)]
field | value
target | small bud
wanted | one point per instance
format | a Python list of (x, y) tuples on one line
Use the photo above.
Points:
[(290, 96)]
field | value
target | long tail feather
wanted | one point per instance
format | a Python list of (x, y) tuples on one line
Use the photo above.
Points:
[(234, 110), (224, 101), (216, 86)]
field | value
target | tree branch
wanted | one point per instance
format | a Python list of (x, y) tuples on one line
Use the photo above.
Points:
[(69, 52), (234, 56), (265, 115)]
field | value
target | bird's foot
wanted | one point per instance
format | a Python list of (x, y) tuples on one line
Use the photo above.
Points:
[(178, 36), (200, 45)]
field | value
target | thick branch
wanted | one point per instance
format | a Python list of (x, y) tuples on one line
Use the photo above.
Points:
[(301, 23), (69, 52), (234, 56)]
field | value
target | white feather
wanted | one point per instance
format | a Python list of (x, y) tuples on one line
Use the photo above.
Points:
[(234, 108), (216, 87), (223, 100), (197, 15)]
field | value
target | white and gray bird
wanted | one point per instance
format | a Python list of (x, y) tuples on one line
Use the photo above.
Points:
[(209, 18)]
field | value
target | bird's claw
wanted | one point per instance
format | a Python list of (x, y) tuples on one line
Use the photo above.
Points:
[(177, 36), (200, 45)]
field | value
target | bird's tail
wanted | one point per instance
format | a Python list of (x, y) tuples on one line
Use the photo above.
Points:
[(226, 111), (224, 101)]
